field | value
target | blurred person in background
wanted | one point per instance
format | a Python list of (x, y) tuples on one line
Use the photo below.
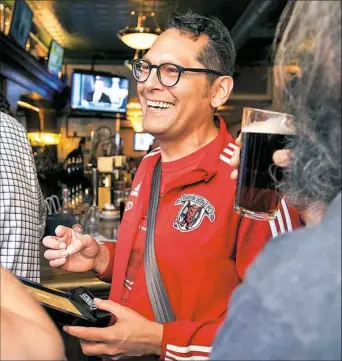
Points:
[(203, 247), (289, 305), (132, 166), (22, 207), (98, 94), (27, 332), (116, 93)]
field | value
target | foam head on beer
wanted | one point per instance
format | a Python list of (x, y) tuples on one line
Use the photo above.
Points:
[(276, 125)]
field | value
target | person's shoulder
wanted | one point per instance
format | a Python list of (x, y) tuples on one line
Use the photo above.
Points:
[(9, 124), (226, 144), (293, 293), (223, 155), (308, 253), (147, 163)]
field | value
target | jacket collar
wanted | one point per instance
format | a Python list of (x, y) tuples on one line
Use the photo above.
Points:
[(208, 165), (210, 162)]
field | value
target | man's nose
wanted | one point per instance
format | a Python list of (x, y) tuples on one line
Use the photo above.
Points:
[(152, 81)]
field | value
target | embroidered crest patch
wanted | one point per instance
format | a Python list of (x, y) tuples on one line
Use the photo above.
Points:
[(194, 209)]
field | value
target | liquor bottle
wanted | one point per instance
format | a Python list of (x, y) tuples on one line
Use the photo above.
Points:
[(69, 167), (73, 165), (92, 217), (79, 165), (80, 195), (78, 203), (73, 198), (86, 201), (66, 210)]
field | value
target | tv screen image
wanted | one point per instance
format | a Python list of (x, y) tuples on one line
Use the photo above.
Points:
[(99, 92), (55, 61), (21, 22), (142, 141)]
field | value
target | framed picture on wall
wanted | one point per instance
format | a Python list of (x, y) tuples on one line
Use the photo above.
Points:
[(55, 61), (21, 22), (77, 127)]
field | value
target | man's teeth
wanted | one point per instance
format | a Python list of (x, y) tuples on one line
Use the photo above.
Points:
[(159, 105)]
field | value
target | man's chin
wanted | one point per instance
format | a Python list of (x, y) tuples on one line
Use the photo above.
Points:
[(154, 128)]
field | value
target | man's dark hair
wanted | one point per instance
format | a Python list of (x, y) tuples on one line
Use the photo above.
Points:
[(219, 52)]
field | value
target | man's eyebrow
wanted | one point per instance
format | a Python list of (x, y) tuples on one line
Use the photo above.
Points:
[(176, 62)]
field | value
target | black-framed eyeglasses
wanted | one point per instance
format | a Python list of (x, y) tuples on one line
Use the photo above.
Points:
[(168, 73)]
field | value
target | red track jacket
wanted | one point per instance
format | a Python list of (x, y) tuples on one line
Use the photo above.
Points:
[(194, 257)]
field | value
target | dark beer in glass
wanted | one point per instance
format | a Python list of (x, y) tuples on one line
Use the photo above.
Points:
[(263, 132)]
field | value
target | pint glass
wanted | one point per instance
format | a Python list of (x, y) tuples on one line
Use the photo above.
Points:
[(263, 132)]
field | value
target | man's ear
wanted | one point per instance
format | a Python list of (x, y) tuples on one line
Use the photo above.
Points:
[(222, 88)]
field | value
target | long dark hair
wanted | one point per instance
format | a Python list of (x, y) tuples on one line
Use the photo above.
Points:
[(308, 85)]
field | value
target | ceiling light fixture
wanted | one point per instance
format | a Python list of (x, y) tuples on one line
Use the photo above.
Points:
[(140, 37)]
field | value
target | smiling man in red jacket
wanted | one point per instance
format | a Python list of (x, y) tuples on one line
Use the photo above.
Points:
[(202, 246)]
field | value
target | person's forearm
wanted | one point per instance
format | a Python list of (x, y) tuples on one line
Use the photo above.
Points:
[(22, 322), (21, 339), (101, 260), (17, 299)]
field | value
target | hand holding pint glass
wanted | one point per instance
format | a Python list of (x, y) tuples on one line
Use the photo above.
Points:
[(262, 133)]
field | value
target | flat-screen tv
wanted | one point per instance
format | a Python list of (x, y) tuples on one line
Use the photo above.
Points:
[(55, 61), (142, 141), (21, 22), (98, 92)]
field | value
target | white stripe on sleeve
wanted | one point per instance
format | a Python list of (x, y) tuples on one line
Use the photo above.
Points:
[(228, 151), (224, 158), (287, 215), (281, 222), (273, 228), (187, 358), (232, 145), (189, 348)]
